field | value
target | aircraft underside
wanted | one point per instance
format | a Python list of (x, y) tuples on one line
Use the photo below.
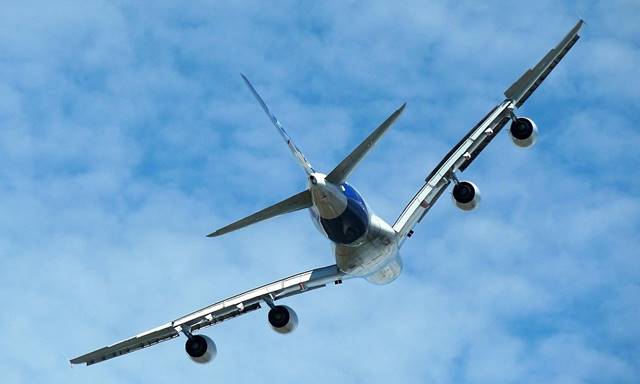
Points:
[(364, 244), (376, 258)]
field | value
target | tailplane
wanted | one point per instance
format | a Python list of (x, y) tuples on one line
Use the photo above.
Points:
[(274, 120), (346, 166), (303, 199), (294, 203)]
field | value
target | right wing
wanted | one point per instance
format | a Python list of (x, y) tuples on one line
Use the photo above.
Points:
[(234, 306), (461, 155), (294, 203)]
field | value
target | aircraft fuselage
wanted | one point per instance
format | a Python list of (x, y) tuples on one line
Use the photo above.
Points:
[(364, 244)]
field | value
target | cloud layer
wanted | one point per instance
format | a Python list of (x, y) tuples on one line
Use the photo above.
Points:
[(127, 135)]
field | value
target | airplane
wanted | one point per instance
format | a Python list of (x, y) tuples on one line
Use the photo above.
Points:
[(365, 246)]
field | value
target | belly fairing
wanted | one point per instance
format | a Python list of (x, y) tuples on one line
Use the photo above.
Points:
[(388, 273), (375, 252)]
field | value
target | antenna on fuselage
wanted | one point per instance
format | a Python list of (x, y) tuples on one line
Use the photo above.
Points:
[(294, 149)]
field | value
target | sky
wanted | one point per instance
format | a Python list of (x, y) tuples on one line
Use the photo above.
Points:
[(127, 135)]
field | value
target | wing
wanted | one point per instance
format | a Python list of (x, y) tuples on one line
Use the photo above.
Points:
[(463, 153), (215, 313)]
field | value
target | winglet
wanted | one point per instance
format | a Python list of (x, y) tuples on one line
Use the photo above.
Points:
[(274, 120)]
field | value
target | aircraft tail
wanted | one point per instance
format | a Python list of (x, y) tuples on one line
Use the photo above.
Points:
[(346, 166), (303, 199), (294, 203), (274, 120)]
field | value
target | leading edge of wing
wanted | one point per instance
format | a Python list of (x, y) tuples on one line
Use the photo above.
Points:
[(215, 313)]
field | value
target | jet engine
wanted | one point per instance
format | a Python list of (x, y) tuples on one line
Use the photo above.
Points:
[(283, 319), (523, 132), (466, 195), (201, 349)]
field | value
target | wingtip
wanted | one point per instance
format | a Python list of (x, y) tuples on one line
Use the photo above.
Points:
[(75, 361), (217, 232)]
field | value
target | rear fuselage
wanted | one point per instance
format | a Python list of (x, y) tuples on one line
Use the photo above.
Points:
[(365, 245)]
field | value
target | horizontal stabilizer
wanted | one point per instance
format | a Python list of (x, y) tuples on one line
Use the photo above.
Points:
[(340, 173), (274, 120), (294, 203)]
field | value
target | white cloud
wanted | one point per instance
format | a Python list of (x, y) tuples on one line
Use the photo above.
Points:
[(127, 135)]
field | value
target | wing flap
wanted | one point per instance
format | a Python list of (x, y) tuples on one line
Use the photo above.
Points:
[(457, 158)]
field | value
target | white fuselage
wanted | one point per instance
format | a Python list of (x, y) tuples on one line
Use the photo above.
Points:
[(365, 245)]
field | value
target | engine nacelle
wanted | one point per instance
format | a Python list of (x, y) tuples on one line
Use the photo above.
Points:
[(201, 349), (466, 195), (523, 132), (283, 319)]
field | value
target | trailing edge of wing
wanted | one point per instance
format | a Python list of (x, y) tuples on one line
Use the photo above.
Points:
[(346, 166), (294, 203)]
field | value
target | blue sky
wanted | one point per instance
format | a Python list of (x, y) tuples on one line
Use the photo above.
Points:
[(127, 135)]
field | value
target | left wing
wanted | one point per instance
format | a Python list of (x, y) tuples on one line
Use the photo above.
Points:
[(234, 306), (461, 156)]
